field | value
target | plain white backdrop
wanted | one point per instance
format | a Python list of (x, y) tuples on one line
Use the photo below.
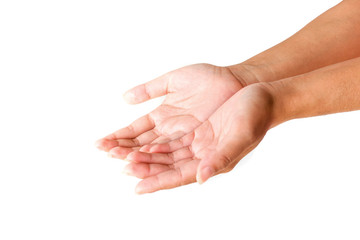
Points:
[(64, 66)]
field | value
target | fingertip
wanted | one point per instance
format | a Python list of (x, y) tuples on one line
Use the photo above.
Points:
[(112, 152), (139, 189), (145, 186), (204, 174), (130, 156), (106, 144), (129, 97), (127, 170), (155, 148), (136, 95), (145, 148), (119, 152), (98, 144)]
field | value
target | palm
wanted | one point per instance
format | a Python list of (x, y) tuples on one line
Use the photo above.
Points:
[(220, 142), (193, 93)]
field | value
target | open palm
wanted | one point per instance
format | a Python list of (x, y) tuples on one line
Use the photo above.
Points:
[(193, 93), (215, 147)]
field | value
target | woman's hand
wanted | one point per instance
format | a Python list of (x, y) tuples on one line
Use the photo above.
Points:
[(215, 147), (193, 93)]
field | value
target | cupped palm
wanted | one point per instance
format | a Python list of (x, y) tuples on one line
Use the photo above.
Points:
[(216, 146), (193, 93)]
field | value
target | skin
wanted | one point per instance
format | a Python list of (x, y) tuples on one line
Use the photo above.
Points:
[(242, 102), (240, 124), (182, 111), (217, 145)]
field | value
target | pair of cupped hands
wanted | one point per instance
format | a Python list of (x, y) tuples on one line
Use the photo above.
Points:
[(207, 123)]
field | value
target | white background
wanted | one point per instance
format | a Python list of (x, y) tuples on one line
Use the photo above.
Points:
[(63, 68)]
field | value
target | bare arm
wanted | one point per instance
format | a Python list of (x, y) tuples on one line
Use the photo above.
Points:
[(332, 37), (220, 119), (239, 125), (332, 89)]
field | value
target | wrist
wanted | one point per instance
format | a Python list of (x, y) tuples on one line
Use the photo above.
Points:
[(282, 96), (249, 73)]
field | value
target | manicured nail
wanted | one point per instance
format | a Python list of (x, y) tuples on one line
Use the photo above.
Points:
[(205, 174)]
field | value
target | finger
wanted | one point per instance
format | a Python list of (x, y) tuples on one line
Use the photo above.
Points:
[(107, 144), (127, 143), (147, 137), (163, 158), (144, 170), (181, 175), (228, 154), (162, 139), (236, 161), (165, 139), (139, 126), (152, 89), (172, 145), (121, 152)]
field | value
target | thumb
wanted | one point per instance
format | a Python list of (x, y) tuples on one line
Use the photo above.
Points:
[(152, 89), (209, 167), (229, 152)]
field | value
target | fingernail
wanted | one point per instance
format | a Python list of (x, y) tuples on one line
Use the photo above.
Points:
[(130, 157), (139, 190), (129, 97), (127, 170), (205, 174), (153, 148), (144, 148), (98, 143)]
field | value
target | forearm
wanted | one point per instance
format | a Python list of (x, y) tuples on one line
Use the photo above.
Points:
[(331, 89), (331, 38)]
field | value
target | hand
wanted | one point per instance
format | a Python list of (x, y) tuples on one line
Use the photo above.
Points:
[(216, 146), (193, 93)]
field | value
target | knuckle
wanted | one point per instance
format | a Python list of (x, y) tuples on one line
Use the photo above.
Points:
[(171, 157), (130, 128), (225, 162), (181, 180)]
